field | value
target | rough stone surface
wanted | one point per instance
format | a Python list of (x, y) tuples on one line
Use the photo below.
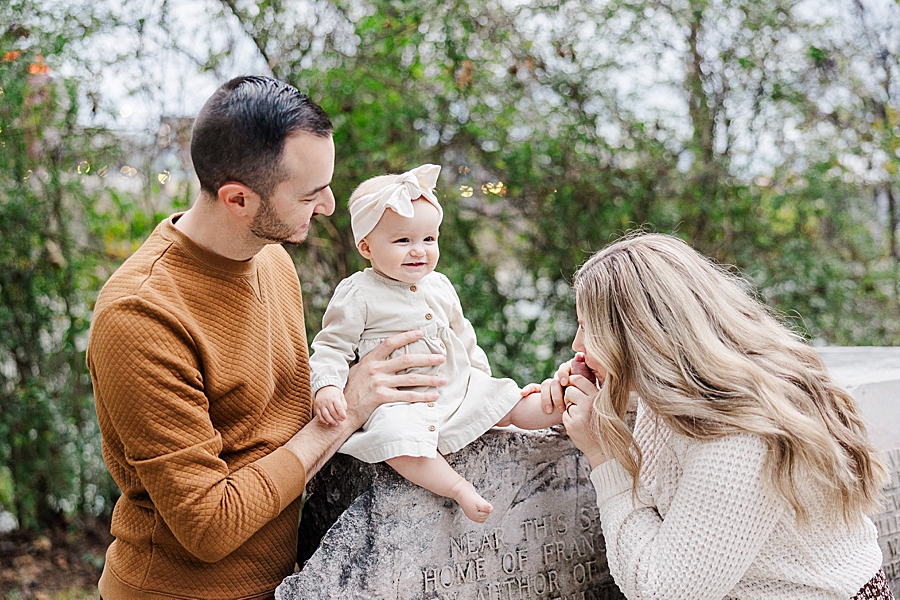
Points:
[(398, 541), (385, 538), (872, 375), (888, 524)]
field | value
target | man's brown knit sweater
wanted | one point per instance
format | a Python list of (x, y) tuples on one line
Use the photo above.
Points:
[(201, 374)]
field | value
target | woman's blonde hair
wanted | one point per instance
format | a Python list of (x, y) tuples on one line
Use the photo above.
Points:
[(710, 360)]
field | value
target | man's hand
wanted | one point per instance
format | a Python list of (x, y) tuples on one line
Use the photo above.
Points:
[(531, 388), (371, 383), (375, 380)]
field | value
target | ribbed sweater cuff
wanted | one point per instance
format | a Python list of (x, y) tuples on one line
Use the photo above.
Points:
[(287, 474), (319, 382), (610, 479)]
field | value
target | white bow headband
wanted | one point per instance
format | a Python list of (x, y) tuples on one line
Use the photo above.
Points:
[(366, 211)]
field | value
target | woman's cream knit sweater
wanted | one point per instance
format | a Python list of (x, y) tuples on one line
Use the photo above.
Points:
[(704, 526)]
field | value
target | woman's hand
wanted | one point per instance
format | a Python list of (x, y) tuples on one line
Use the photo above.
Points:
[(553, 390), (579, 399)]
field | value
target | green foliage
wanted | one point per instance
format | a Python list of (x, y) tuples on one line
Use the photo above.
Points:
[(556, 164), (63, 231), (774, 146), (48, 435)]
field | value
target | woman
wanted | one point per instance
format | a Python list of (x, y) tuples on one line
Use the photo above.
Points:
[(748, 473)]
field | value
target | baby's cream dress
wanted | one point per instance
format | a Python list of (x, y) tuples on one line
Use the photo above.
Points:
[(366, 309)]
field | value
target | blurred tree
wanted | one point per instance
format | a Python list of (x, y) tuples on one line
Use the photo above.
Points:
[(765, 132), (565, 123), (63, 230), (48, 434)]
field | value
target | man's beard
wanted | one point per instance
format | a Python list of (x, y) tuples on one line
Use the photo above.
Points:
[(267, 226)]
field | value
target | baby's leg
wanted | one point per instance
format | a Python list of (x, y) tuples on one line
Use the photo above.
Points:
[(434, 474), (529, 413)]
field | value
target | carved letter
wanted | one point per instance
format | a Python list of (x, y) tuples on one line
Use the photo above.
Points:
[(561, 528), (523, 558), (457, 546), (561, 551), (446, 576), (590, 569), (508, 563), (524, 588), (432, 579), (540, 527), (525, 525), (463, 574), (485, 541), (548, 553), (578, 574), (540, 584), (498, 538), (509, 584), (552, 581), (585, 519)]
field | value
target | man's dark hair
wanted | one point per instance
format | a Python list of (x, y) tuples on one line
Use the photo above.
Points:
[(240, 132)]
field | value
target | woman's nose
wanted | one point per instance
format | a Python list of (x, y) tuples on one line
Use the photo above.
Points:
[(578, 343)]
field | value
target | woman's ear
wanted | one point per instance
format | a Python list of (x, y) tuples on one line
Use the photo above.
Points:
[(363, 247)]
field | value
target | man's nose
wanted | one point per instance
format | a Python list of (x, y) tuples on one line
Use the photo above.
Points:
[(326, 204)]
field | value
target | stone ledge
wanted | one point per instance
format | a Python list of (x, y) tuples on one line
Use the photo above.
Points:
[(872, 375), (398, 541)]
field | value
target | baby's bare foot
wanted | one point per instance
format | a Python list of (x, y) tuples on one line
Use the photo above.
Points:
[(475, 507)]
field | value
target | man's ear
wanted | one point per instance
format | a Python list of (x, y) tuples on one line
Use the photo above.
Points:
[(363, 247), (240, 200)]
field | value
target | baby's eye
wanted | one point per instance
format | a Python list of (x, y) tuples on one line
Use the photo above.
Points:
[(430, 238), (401, 241)]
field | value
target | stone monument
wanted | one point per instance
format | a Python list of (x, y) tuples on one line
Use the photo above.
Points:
[(399, 541), (385, 538)]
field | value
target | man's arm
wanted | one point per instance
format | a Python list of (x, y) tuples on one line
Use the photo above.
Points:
[(371, 383), (150, 395), (151, 400)]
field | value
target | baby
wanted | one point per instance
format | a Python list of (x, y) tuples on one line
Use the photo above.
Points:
[(395, 221)]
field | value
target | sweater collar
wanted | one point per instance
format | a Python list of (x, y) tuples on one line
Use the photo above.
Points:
[(169, 232)]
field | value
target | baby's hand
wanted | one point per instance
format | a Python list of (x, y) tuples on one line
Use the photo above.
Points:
[(576, 366), (531, 388), (330, 404)]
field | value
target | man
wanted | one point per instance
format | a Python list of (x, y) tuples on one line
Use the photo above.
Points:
[(199, 362)]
